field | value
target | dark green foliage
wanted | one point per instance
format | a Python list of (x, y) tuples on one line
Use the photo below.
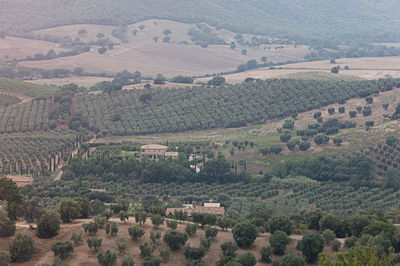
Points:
[(320, 140), (157, 220), (107, 258), (396, 114), (229, 249), (204, 218), (342, 109), (62, 249), (367, 111), (369, 100), (5, 258), (244, 234), (292, 259), (193, 253), (376, 227), (21, 247), (69, 210), (191, 229), (100, 221), (356, 223), (7, 227), (278, 242), (77, 238), (211, 232), (48, 225), (352, 114), (311, 245), (151, 262), (146, 250), (335, 70), (10, 193), (247, 259), (304, 146), (285, 138), (94, 243), (172, 224), (175, 240), (216, 81), (276, 149), (164, 253), (328, 236), (205, 242), (182, 79), (266, 253), (127, 261), (90, 228), (336, 245), (281, 223), (136, 232), (154, 237), (121, 246)]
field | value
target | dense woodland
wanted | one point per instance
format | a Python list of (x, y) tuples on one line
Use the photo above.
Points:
[(301, 20)]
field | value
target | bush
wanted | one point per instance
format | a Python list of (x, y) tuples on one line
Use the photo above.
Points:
[(285, 138), (266, 253), (62, 249), (94, 243), (164, 253), (304, 146), (211, 232), (281, 223), (175, 240), (278, 242), (127, 261), (7, 227), (100, 220), (292, 259), (48, 225), (136, 232), (108, 258), (247, 259), (352, 114), (194, 253), (21, 247), (172, 224), (155, 237), (336, 245), (77, 238), (146, 250), (121, 246), (311, 245), (191, 229), (205, 242), (151, 262), (5, 258), (157, 220), (342, 110), (229, 249), (90, 228), (328, 236), (244, 234)]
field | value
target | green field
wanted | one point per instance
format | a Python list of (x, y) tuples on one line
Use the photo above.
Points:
[(8, 99), (25, 88)]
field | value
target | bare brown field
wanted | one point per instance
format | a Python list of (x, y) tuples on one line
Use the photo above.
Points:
[(20, 48), (80, 81), (170, 59), (83, 256), (367, 68)]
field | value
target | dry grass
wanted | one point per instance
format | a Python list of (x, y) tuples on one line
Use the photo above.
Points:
[(20, 48), (170, 59), (80, 81), (366, 68)]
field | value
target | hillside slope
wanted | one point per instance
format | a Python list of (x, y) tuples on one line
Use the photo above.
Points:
[(312, 19)]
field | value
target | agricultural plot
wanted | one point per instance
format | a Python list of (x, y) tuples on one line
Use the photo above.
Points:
[(174, 110), (8, 99), (26, 89), (35, 153)]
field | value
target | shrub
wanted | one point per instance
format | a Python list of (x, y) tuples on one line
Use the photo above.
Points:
[(7, 226), (155, 237), (100, 220), (244, 234), (127, 261), (146, 250), (94, 243), (304, 146), (278, 242), (175, 240), (281, 223), (172, 224), (194, 253), (247, 259), (108, 258), (70, 209), (77, 238), (121, 246), (62, 249), (342, 109), (311, 245), (5, 258), (292, 259), (229, 249), (205, 242), (328, 236), (285, 138), (191, 229), (164, 253), (90, 228), (21, 247), (266, 253), (336, 245), (48, 225), (151, 262), (211, 232), (352, 114), (136, 232), (157, 220)]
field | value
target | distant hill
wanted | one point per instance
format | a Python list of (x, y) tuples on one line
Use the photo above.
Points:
[(341, 20)]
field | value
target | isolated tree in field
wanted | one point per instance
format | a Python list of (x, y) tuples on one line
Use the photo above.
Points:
[(211, 232), (337, 141), (281, 223), (244, 234), (157, 220), (69, 210), (311, 245), (62, 249), (264, 59), (136, 232), (247, 259), (107, 258), (123, 216), (164, 253), (304, 145), (146, 250), (155, 236), (21, 247), (77, 238), (127, 261), (266, 253), (7, 227), (172, 224), (151, 262), (244, 52), (216, 81), (90, 228), (292, 259), (229, 249), (94, 243), (100, 221), (191, 229), (175, 240), (160, 79), (278, 242), (48, 225), (335, 70), (192, 253), (225, 223)]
